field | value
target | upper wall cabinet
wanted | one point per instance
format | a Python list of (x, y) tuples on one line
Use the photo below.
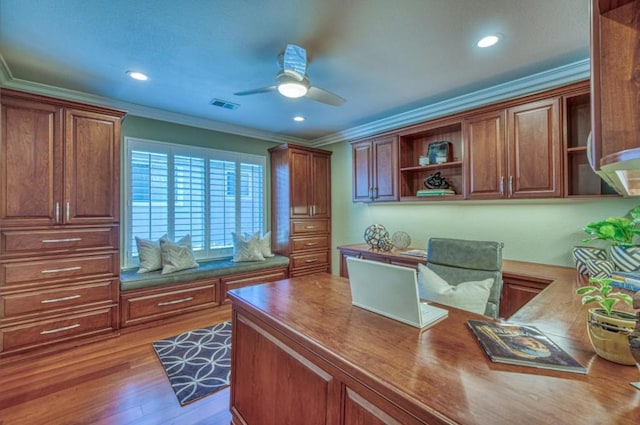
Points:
[(515, 153), (529, 147), (615, 85), (429, 153), (60, 164), (375, 170)]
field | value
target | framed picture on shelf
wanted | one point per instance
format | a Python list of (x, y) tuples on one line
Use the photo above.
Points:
[(439, 152)]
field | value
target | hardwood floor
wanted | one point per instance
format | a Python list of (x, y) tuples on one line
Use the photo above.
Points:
[(117, 381)]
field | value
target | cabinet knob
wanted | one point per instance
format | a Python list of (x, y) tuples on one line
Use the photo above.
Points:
[(501, 185), (57, 212), (510, 185)]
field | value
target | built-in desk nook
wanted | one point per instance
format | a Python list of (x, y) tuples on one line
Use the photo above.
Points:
[(304, 355)]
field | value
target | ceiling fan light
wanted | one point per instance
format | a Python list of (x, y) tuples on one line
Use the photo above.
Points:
[(292, 89)]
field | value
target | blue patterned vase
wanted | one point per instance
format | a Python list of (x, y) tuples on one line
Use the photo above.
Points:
[(583, 253), (600, 268), (626, 259)]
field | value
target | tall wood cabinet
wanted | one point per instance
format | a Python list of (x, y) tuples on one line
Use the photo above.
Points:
[(375, 170), (59, 222), (301, 207)]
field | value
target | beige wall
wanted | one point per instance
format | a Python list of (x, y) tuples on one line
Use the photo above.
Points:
[(540, 231)]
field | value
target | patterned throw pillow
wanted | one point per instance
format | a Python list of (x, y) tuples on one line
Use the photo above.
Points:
[(177, 256), (264, 243), (470, 296), (246, 248), (149, 255)]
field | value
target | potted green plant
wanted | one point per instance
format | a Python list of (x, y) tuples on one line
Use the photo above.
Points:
[(620, 232), (608, 328)]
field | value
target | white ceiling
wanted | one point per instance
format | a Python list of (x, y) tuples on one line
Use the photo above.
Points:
[(385, 57)]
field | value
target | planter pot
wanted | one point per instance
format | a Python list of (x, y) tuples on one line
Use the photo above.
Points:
[(626, 259), (609, 335), (600, 268), (583, 253)]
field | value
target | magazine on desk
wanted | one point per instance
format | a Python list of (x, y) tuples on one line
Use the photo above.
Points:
[(522, 345)]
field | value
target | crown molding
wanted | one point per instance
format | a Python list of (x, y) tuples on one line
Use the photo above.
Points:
[(7, 81), (556, 77)]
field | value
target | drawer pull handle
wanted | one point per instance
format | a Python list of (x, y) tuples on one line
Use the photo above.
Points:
[(64, 328), (311, 244), (311, 261), (183, 300), (61, 240), (66, 269), (311, 227), (57, 300)]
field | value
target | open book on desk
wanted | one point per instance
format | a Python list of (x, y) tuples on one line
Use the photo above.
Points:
[(522, 345)]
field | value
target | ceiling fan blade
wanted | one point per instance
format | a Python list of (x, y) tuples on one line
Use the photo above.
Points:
[(256, 91), (294, 61), (324, 96)]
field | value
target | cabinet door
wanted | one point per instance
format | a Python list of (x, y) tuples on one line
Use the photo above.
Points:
[(362, 171), (516, 292), (30, 163), (92, 170), (385, 169), (321, 185), (485, 148), (534, 150), (300, 183)]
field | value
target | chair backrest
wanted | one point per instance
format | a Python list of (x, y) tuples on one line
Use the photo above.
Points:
[(459, 260)]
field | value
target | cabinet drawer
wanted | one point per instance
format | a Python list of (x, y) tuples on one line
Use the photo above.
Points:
[(58, 268), (13, 305), (242, 280), (310, 243), (316, 259), (23, 242), (147, 305), (58, 329), (303, 227)]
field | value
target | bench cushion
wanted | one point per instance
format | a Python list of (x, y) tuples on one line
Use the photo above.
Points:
[(130, 279)]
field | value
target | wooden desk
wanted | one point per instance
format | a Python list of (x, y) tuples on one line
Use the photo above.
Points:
[(303, 355), (518, 288)]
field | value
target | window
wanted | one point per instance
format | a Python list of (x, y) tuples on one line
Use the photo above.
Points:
[(174, 189)]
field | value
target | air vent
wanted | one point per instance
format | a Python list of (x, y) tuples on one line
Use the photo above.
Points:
[(224, 104)]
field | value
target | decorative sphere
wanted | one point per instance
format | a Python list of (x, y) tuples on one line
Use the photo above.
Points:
[(401, 239), (385, 244), (374, 234)]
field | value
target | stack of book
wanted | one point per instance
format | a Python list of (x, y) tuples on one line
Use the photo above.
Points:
[(626, 280), (435, 192)]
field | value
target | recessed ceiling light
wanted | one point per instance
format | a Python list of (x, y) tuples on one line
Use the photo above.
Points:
[(489, 40), (137, 75), (298, 118)]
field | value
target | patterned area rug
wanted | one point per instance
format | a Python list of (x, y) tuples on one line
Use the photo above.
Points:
[(198, 363)]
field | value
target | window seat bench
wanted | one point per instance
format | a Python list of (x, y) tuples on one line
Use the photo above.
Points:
[(146, 297)]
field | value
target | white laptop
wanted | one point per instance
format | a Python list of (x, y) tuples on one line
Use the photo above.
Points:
[(391, 291)]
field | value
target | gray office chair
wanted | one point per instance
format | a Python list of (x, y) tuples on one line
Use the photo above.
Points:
[(459, 260)]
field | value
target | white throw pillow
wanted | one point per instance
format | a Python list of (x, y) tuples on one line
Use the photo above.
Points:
[(246, 249), (177, 256), (470, 296), (264, 243), (149, 255)]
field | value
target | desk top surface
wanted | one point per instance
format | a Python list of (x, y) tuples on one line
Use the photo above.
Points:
[(442, 370)]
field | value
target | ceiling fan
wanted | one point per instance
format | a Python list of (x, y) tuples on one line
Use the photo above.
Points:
[(292, 79)]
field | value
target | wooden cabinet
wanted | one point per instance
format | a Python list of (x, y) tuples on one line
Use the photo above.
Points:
[(615, 89), (375, 170), (485, 147), (59, 221), (580, 178), (414, 143), (301, 207), (534, 146), (517, 291), (515, 153), (59, 165)]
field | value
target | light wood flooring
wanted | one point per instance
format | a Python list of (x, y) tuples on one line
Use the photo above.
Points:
[(117, 381)]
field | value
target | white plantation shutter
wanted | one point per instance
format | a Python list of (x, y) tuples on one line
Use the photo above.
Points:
[(175, 189)]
